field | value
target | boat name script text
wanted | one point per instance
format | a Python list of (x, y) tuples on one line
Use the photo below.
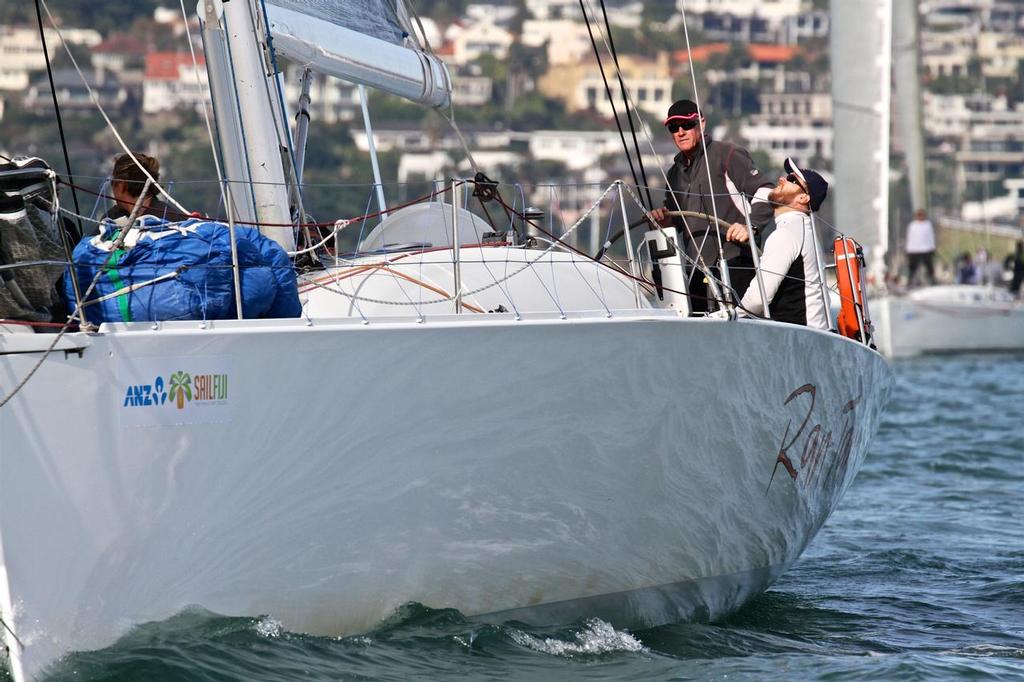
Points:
[(803, 451)]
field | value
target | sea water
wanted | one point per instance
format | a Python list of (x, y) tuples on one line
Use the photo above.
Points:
[(918, 575)]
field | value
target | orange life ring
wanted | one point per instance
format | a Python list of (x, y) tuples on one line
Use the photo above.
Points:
[(851, 308)]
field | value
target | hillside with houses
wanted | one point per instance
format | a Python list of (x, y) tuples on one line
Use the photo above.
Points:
[(529, 95)]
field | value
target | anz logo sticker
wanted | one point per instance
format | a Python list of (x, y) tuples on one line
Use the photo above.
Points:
[(145, 395), (182, 389), (161, 392)]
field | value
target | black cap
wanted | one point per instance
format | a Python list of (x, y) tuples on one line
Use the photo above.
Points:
[(817, 188), (683, 110)]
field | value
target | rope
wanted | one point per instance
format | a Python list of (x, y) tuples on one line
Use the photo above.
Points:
[(56, 108), (625, 102), (103, 113), (608, 91), (185, 216), (497, 281), (118, 243), (664, 176)]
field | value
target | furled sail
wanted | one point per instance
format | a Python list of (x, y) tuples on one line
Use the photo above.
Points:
[(906, 74), (361, 41), (861, 55)]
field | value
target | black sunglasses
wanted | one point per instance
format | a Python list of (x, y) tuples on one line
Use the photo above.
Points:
[(685, 125), (795, 179)]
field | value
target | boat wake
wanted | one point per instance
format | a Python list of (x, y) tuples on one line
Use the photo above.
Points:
[(597, 637)]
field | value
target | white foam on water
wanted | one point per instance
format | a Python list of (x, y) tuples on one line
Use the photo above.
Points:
[(598, 637), (267, 626)]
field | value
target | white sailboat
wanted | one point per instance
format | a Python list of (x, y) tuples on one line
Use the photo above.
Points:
[(586, 449), (932, 319)]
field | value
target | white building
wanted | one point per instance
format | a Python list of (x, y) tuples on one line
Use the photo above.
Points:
[(413, 137), (470, 41), (802, 142), (567, 41), (1009, 206), (1000, 53), (581, 87), (470, 88), (775, 11), (21, 53), (330, 100), (554, 9), (172, 81), (577, 149), (796, 108), (420, 166), (947, 53), (491, 13), (72, 93), (954, 116)]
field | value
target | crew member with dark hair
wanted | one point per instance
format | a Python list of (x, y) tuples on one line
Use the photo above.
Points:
[(789, 265), (126, 183), (735, 183)]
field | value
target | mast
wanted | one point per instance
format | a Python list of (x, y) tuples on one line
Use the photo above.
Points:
[(247, 127), (906, 73), (861, 51)]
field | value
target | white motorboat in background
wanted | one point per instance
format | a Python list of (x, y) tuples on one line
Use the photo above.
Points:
[(948, 318)]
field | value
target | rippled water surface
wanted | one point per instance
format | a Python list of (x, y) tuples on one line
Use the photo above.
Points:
[(918, 575)]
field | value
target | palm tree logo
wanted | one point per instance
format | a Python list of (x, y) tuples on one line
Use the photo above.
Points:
[(181, 388)]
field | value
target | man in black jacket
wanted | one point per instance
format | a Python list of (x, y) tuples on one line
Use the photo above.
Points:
[(735, 183)]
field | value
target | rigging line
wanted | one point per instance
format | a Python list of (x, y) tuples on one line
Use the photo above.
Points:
[(697, 262), (661, 163), (56, 108), (416, 200), (608, 91), (118, 243), (625, 102), (103, 113), (458, 132), (703, 138), (419, 24)]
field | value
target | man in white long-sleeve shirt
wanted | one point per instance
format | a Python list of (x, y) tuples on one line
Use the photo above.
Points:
[(789, 266), (921, 247)]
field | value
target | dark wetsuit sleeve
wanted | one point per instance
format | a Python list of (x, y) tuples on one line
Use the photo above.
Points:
[(753, 183)]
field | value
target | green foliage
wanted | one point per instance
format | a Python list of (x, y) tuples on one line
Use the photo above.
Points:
[(658, 11)]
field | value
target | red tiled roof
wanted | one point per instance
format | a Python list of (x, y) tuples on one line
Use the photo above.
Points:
[(761, 53), (700, 53), (772, 53), (166, 65), (121, 43)]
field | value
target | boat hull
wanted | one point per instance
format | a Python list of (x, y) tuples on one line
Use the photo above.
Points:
[(645, 468), (948, 319)]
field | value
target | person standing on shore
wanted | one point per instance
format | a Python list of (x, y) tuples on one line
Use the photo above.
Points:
[(920, 247)]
